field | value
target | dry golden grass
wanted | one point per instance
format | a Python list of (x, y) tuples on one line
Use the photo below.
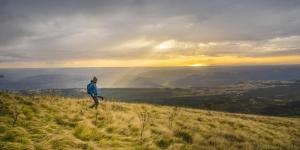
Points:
[(61, 123)]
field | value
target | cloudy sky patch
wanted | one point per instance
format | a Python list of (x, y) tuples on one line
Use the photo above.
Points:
[(65, 31)]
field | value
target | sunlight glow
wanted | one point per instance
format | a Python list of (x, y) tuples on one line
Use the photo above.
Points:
[(198, 65)]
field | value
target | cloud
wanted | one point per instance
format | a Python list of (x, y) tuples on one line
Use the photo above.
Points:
[(62, 30), (279, 46)]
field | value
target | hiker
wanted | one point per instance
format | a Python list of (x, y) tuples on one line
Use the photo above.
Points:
[(92, 90)]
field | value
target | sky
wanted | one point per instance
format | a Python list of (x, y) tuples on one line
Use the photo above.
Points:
[(136, 33)]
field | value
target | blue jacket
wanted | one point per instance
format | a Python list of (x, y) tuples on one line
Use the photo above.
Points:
[(92, 89)]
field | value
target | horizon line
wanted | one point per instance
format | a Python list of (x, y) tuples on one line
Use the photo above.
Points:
[(205, 66)]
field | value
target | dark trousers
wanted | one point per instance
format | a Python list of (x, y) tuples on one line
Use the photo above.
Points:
[(96, 102)]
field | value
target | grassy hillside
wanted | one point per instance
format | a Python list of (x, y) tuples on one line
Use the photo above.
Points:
[(44, 122)]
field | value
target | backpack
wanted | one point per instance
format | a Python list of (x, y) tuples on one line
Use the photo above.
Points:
[(88, 88)]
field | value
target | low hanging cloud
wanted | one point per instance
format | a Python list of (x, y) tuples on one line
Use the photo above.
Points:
[(274, 47), (62, 30)]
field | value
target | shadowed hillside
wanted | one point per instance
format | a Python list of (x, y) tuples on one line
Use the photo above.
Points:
[(44, 122)]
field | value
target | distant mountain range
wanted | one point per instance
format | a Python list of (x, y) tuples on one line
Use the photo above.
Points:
[(173, 77)]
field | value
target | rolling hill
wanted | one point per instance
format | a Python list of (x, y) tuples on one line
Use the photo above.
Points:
[(170, 77), (51, 122)]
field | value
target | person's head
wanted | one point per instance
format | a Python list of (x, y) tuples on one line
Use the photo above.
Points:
[(94, 79)]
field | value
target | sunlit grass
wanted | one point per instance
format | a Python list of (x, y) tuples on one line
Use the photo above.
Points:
[(47, 122)]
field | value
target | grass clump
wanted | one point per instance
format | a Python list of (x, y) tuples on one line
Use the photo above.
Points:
[(164, 143), (63, 121), (67, 142), (86, 132), (15, 146), (17, 134), (184, 135), (16, 138), (2, 128)]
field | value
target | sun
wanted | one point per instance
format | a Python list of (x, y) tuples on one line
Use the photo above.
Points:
[(198, 65)]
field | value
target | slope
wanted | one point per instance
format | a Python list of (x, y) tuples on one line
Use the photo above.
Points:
[(50, 122)]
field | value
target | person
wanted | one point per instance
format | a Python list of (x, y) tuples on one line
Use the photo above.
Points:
[(93, 92)]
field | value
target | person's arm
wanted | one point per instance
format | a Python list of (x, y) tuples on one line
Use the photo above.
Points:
[(98, 94), (94, 90)]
